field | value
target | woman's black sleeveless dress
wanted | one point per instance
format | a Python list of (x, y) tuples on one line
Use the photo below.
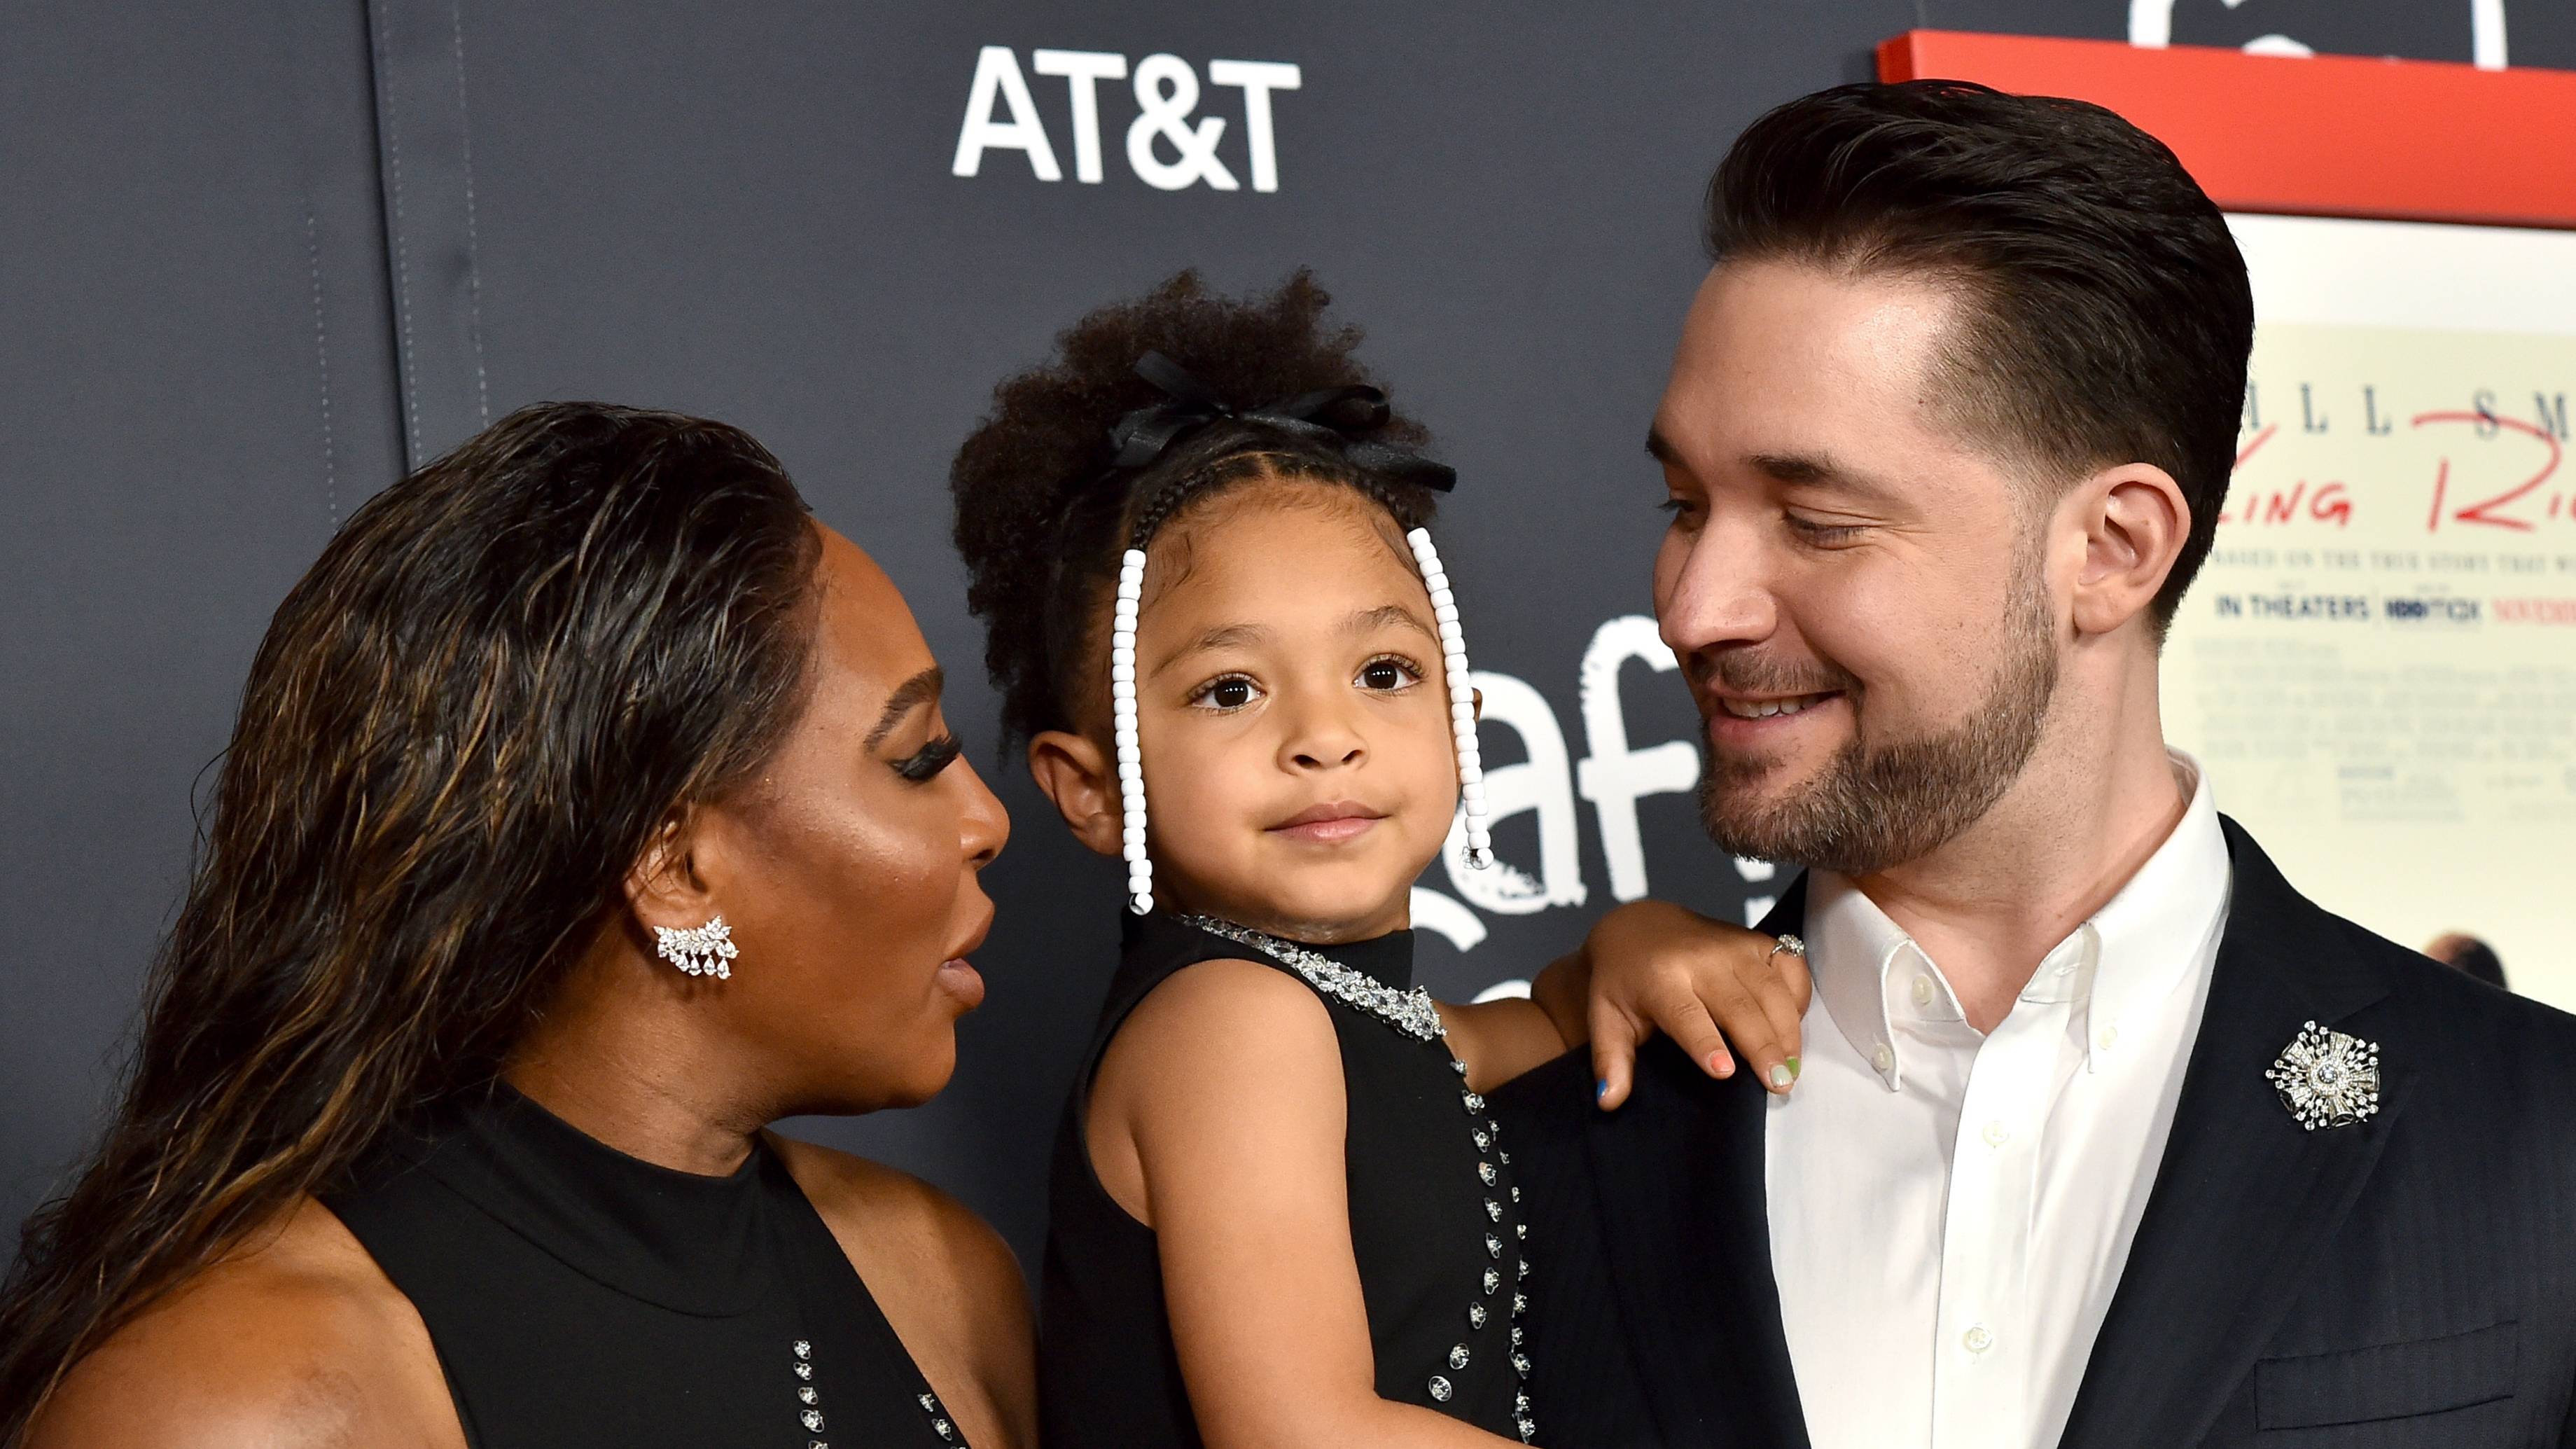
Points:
[(1436, 1225), (578, 1296)]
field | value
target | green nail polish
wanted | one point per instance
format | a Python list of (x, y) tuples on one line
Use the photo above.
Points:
[(1781, 1076), (1793, 1069)]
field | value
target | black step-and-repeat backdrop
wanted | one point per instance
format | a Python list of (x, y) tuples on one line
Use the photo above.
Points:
[(261, 257)]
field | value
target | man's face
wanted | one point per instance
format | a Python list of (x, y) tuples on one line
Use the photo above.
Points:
[(1855, 590)]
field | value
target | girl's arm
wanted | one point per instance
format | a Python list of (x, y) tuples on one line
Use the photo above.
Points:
[(1217, 1118), (1646, 966)]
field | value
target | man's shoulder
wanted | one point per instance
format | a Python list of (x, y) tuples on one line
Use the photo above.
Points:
[(2505, 1051)]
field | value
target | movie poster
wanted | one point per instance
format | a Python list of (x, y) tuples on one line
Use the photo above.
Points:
[(2378, 664)]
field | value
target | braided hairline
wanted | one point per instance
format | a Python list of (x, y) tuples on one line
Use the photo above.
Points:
[(1079, 595)]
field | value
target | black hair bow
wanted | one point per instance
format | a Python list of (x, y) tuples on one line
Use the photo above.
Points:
[(1341, 415)]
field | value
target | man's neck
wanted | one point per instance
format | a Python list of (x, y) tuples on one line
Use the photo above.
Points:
[(1995, 900)]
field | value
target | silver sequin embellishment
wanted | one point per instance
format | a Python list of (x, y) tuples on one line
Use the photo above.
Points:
[(1440, 1389), (1411, 1012), (1458, 1356), (1476, 1315)]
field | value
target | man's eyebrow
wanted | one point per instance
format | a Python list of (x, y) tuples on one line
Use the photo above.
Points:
[(919, 689), (1661, 449), (1223, 636), (1814, 471), (1386, 616)]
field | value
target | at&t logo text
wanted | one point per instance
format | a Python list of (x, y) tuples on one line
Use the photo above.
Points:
[(1169, 147)]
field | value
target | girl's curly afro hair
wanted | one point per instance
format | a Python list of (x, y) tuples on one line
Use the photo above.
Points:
[(1041, 516)]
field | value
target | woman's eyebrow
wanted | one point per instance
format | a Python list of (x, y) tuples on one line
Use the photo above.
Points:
[(919, 689)]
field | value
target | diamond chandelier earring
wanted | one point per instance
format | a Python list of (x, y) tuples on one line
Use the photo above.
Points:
[(706, 950), (1131, 757)]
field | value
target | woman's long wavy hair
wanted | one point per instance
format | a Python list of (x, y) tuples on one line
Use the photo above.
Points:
[(464, 726)]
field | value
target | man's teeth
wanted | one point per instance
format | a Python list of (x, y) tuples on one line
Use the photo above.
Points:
[(1765, 708)]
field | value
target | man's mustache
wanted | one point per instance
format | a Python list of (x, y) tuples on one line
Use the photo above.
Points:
[(1739, 672)]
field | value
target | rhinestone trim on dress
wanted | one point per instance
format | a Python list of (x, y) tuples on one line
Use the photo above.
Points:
[(1411, 1012)]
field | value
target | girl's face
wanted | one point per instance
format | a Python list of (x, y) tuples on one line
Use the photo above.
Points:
[(1299, 766)]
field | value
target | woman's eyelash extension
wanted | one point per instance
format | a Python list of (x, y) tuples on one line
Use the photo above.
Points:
[(930, 759)]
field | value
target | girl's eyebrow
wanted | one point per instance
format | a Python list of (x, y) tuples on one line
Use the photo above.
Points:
[(1223, 636), (1227, 636), (1386, 616)]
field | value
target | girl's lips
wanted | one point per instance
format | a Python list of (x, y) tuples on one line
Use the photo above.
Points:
[(1332, 830), (960, 979)]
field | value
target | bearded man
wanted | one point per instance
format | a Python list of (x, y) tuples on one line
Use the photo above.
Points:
[(2104, 1135)]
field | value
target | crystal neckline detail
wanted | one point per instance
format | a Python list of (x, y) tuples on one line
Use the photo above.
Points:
[(1411, 1012)]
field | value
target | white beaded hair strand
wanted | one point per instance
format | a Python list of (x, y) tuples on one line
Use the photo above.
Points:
[(1462, 698), (1122, 717)]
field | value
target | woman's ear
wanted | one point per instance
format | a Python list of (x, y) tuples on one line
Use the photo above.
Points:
[(2135, 521), (1075, 774), (666, 886)]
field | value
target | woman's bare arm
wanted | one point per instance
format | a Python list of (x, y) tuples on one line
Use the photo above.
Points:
[(296, 1340)]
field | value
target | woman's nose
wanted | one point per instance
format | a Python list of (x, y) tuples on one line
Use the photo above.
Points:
[(984, 826)]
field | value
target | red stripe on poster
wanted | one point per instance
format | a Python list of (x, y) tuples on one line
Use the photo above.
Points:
[(2327, 135)]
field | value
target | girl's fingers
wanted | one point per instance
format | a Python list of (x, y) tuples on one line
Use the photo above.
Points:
[(1614, 1054), (1781, 988), (1748, 1021)]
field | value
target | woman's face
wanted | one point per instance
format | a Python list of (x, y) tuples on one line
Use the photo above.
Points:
[(847, 865)]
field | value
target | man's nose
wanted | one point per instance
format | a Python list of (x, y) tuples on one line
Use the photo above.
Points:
[(1714, 589)]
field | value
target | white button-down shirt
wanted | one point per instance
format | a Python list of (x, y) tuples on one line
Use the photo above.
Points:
[(1950, 1211)]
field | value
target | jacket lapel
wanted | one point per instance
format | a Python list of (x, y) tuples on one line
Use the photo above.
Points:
[(2244, 1194), (1680, 1176)]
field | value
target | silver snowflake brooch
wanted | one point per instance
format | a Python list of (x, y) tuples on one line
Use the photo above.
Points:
[(2328, 1079)]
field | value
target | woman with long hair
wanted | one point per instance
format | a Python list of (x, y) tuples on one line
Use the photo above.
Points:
[(590, 807)]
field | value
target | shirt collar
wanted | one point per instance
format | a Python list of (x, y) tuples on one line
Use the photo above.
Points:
[(2149, 939)]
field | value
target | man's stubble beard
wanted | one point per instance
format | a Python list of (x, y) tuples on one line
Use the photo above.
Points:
[(1870, 809)]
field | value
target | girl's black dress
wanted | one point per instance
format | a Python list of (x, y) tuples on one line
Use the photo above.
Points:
[(578, 1296), (1436, 1225)]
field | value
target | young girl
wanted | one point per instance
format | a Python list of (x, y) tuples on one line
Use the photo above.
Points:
[(1281, 1212)]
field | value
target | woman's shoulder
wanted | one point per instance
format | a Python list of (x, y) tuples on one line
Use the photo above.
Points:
[(945, 1280), (898, 1220), (295, 1337)]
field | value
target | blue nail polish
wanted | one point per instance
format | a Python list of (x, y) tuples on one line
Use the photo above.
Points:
[(1601, 1089)]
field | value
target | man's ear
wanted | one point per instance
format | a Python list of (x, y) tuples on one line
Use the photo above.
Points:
[(666, 886), (1076, 776), (2135, 521)]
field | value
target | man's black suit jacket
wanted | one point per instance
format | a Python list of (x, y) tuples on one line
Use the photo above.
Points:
[(2408, 1280)]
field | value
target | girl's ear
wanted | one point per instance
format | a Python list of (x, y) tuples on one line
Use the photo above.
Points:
[(1076, 776)]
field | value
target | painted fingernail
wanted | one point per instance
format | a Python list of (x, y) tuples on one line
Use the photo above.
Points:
[(1793, 1069), (1719, 1065), (1781, 1076), (1600, 1089)]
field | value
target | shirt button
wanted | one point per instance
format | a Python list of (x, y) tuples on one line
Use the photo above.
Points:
[(2109, 1038), (1923, 991), (1977, 1339), (1996, 1134), (1883, 1059)]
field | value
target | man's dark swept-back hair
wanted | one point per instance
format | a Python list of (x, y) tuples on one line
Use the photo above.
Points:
[(2107, 316)]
